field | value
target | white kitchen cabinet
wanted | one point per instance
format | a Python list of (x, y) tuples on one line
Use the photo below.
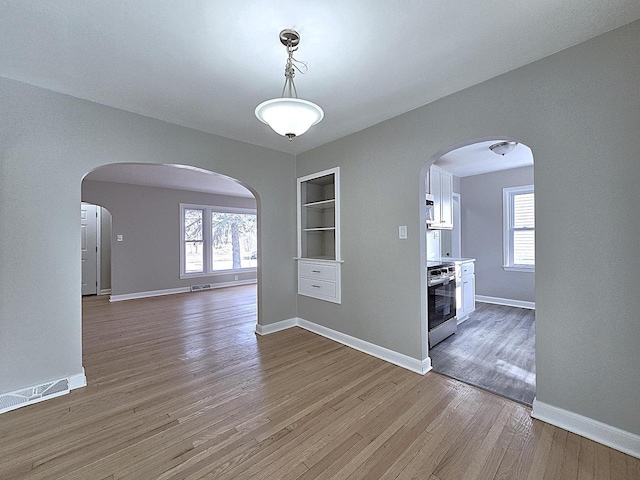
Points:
[(441, 187), (465, 289), (468, 294), (319, 261)]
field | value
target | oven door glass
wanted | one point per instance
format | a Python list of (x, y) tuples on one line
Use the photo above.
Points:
[(442, 303)]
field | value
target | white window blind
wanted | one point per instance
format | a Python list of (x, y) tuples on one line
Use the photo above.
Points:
[(519, 228)]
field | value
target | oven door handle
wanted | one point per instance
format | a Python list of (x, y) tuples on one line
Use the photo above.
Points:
[(440, 281)]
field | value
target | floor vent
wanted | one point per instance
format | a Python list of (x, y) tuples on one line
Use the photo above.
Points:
[(30, 395), (205, 286)]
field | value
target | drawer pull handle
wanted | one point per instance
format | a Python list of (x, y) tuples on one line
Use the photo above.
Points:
[(315, 286), (315, 271)]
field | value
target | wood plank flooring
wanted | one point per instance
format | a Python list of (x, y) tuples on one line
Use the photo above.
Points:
[(181, 388), (493, 349)]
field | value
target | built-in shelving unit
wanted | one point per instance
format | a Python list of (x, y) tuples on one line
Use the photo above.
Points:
[(319, 235)]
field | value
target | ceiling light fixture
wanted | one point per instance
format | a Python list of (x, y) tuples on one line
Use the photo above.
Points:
[(502, 148), (290, 116)]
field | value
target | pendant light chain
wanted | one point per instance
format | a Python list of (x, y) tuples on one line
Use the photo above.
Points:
[(290, 68)]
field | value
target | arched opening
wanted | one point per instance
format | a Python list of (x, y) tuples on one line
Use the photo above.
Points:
[(478, 258), (177, 230)]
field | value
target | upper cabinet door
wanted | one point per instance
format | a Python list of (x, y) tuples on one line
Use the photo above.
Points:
[(441, 187), (446, 219), (435, 177)]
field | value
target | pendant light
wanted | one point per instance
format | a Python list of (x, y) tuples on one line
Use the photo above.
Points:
[(289, 115)]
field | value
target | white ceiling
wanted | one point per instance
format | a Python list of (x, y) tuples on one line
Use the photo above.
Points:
[(477, 159), (169, 176), (206, 64)]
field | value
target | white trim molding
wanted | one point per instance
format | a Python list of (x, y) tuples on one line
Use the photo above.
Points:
[(276, 327), (77, 381), (613, 437), (418, 366), (38, 393), (105, 291), (151, 293), (172, 291), (506, 301)]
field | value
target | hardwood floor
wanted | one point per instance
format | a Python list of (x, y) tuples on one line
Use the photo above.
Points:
[(494, 349), (181, 388)]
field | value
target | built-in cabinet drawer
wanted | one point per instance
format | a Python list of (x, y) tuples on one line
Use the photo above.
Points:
[(319, 271), (467, 268), (319, 280), (311, 287)]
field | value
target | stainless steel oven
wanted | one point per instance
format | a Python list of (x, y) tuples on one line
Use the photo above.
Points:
[(441, 300)]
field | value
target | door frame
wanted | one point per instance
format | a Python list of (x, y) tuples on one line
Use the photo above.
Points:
[(457, 224)]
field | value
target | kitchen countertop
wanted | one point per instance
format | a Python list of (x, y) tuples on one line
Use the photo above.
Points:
[(457, 260)]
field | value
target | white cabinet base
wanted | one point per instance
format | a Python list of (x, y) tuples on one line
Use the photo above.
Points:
[(465, 290), (319, 279)]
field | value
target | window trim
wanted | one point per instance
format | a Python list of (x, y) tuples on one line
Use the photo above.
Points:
[(508, 194), (206, 239)]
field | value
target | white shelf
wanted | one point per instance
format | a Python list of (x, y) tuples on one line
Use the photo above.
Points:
[(319, 259), (321, 205), (319, 229)]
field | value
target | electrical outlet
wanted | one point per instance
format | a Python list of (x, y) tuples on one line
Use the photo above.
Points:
[(402, 232)]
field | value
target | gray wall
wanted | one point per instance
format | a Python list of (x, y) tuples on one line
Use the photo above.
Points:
[(105, 249), (482, 233), (579, 112), (48, 142), (149, 218)]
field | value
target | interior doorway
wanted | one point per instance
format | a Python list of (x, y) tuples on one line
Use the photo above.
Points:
[(89, 248), (175, 228), (489, 341), (95, 234)]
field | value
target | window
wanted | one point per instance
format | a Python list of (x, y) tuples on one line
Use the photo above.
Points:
[(519, 228), (217, 240)]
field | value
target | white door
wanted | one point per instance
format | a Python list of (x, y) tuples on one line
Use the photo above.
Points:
[(89, 248)]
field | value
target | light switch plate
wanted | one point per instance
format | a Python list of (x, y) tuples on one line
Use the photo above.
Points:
[(402, 232), (119, 238)]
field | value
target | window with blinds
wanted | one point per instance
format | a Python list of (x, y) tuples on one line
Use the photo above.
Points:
[(519, 228)]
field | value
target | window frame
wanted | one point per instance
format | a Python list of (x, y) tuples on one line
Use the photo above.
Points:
[(508, 196), (207, 241)]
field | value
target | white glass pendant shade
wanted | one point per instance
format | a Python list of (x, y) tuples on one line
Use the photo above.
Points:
[(502, 148), (290, 117)]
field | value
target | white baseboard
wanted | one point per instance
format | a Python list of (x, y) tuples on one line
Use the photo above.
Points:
[(172, 291), (152, 293), (391, 356), (38, 393), (506, 301), (105, 291), (613, 437), (234, 283), (77, 381), (276, 327)]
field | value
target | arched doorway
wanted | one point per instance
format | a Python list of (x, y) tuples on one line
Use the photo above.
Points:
[(153, 252), (490, 343)]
